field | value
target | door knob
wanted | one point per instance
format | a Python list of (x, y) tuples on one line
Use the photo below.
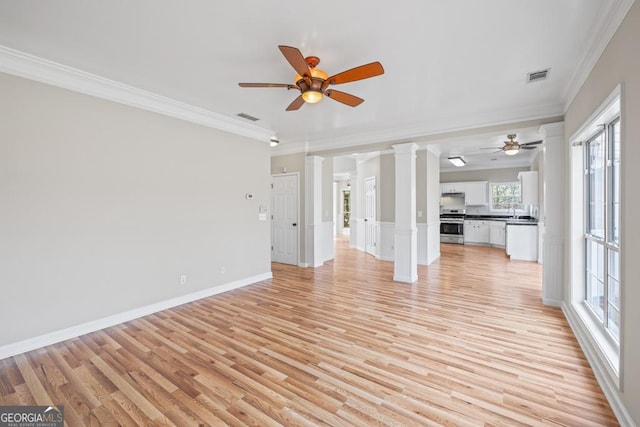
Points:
[(294, 224), (365, 220)]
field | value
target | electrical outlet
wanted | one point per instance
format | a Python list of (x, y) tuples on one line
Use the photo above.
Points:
[(183, 279), (223, 270)]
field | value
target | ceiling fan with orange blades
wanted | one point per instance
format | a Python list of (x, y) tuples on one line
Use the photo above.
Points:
[(512, 147), (314, 83)]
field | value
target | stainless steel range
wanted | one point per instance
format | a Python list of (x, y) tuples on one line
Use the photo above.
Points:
[(452, 218), (452, 226)]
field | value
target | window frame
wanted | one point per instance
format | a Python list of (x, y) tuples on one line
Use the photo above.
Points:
[(520, 209), (606, 131), (606, 354)]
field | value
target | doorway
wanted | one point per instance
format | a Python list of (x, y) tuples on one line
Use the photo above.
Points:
[(370, 215), (284, 220)]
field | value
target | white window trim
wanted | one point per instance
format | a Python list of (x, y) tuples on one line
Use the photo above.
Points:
[(596, 342)]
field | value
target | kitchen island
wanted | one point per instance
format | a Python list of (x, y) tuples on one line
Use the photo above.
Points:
[(518, 235)]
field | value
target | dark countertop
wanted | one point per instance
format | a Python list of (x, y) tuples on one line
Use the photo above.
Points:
[(510, 220)]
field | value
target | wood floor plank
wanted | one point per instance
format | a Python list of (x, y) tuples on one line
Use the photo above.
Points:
[(469, 344)]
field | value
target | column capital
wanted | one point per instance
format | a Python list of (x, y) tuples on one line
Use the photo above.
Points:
[(314, 159), (551, 130), (407, 148)]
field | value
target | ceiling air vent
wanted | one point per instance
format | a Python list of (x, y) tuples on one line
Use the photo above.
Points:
[(537, 75), (248, 117)]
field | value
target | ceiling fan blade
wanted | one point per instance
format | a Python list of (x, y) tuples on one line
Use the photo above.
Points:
[(296, 104), (491, 148), (296, 60), (359, 73), (345, 98), (531, 143), (527, 147), (288, 86)]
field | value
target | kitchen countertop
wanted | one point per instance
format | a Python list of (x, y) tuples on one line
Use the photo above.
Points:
[(519, 220)]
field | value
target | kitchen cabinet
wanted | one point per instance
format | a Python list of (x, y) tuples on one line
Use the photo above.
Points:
[(497, 233), (522, 241), (452, 187), (529, 187), (476, 193), (476, 232)]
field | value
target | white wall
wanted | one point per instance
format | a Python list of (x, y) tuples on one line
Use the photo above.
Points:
[(620, 63), (492, 175), (104, 206)]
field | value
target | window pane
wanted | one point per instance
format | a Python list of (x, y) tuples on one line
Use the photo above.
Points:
[(614, 185), (594, 275), (505, 196), (614, 279), (613, 322), (595, 168)]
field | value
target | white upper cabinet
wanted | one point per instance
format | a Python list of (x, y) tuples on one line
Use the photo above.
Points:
[(476, 193), (529, 187), (452, 187)]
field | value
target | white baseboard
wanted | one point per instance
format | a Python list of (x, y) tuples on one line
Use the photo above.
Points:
[(551, 302), (116, 319), (303, 264), (607, 384), (405, 279)]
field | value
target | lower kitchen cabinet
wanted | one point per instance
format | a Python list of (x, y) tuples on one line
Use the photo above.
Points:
[(522, 241), (476, 232), (497, 233)]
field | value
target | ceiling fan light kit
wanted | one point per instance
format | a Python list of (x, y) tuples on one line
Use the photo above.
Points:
[(312, 93), (314, 83), (511, 150)]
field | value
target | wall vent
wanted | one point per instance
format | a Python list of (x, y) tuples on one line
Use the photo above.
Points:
[(537, 75), (248, 117)]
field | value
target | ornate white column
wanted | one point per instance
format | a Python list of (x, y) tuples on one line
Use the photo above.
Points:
[(406, 233), (313, 210), (554, 209)]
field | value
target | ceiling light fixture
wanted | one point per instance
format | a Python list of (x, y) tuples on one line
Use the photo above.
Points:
[(312, 87), (273, 141), (511, 150), (457, 161)]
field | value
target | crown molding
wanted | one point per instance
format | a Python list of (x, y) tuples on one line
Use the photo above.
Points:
[(415, 132), (610, 19), (31, 67)]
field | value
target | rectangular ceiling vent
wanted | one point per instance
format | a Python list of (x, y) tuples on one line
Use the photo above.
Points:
[(248, 117), (537, 75)]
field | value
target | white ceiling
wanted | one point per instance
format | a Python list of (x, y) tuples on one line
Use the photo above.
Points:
[(449, 65)]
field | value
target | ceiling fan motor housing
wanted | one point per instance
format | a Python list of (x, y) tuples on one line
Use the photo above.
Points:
[(312, 86)]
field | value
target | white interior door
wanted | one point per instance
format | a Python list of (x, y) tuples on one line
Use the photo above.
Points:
[(370, 215), (284, 219)]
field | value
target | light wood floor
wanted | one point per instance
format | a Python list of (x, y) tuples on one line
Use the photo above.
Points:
[(469, 344)]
